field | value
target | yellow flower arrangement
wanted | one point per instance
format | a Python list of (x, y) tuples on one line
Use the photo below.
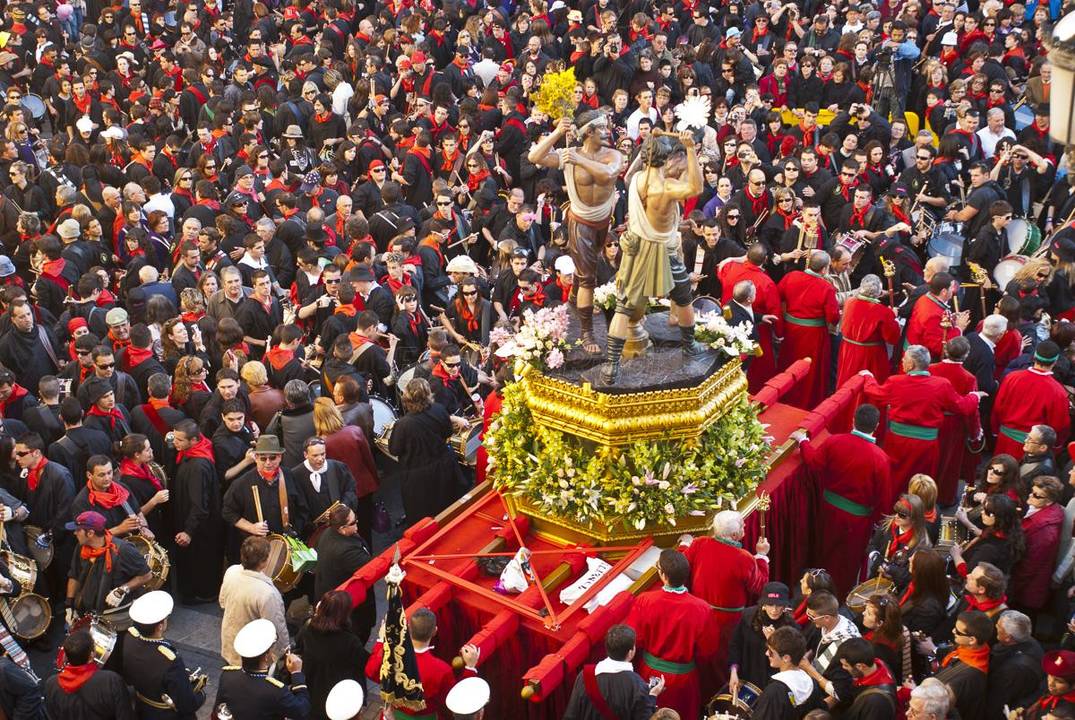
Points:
[(555, 95)]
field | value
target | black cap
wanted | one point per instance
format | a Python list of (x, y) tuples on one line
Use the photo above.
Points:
[(1064, 248), (775, 593), (360, 274)]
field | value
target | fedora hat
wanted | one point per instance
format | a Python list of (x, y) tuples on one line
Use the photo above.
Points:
[(268, 445), (293, 131)]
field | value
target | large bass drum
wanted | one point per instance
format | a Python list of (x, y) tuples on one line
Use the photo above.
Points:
[(32, 615), (156, 557), (384, 419), (40, 545), (281, 569), (1024, 237), (1005, 270), (861, 593), (947, 240)]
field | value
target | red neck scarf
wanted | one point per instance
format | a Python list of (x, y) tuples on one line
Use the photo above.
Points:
[(33, 477), (1049, 702), (113, 415), (474, 180), (858, 217), (73, 677), (17, 391), (440, 372), (107, 550), (432, 242), (466, 315), (565, 290), (278, 357), (985, 606), (975, 657), (789, 218), (203, 448), (759, 204), (130, 468), (113, 497), (84, 104), (536, 297), (136, 356), (880, 676), (907, 593), (897, 540)]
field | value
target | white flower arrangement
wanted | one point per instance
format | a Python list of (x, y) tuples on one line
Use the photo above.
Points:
[(734, 340), (541, 340), (605, 296)]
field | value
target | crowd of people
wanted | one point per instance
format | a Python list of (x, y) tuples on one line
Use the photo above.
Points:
[(256, 256)]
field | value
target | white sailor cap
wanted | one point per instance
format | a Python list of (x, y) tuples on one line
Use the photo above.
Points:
[(344, 700), (468, 696), (255, 638), (152, 607)]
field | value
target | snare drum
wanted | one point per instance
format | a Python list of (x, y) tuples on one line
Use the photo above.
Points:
[(156, 557), (384, 438), (35, 105), (405, 377), (947, 240), (1024, 237), (384, 418), (282, 571), (741, 707), (22, 569), (861, 593), (466, 443), (104, 639), (32, 615), (1006, 269), (705, 304)]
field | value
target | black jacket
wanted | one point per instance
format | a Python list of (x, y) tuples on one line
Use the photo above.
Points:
[(103, 697), (1015, 677), (625, 692)]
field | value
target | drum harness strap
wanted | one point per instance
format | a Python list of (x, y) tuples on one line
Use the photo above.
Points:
[(281, 488), (593, 692)]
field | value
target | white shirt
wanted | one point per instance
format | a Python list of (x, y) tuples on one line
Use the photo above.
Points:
[(989, 140), (486, 70), (160, 201), (340, 96), (634, 118)]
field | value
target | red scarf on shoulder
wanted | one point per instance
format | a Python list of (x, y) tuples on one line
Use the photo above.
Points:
[(113, 497), (440, 372), (112, 415), (975, 657), (73, 677), (278, 357), (201, 449), (33, 477), (17, 391), (130, 468)]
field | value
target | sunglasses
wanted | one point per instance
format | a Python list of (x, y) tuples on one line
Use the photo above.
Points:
[(443, 204), (470, 293), (106, 366), (733, 217), (451, 364), (335, 281), (903, 515), (22, 453), (847, 174), (923, 157)]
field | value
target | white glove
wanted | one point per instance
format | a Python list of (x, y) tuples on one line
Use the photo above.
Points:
[(115, 597), (6, 513), (70, 616)]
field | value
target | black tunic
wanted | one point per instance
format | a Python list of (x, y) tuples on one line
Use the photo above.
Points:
[(321, 653), (103, 697), (20, 697), (429, 475), (195, 508), (747, 647), (75, 448), (239, 502), (97, 581), (153, 668), (113, 516), (337, 485), (338, 558), (625, 692)]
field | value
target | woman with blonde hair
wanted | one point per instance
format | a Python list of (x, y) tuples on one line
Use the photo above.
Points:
[(347, 444), (429, 475), (925, 488)]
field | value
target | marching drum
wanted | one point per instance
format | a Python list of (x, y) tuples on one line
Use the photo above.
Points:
[(861, 593), (40, 544), (23, 569), (384, 437), (725, 707), (466, 443), (104, 639), (384, 419), (947, 240), (156, 557), (281, 569), (405, 377), (1024, 237), (32, 615), (35, 105), (1007, 267)]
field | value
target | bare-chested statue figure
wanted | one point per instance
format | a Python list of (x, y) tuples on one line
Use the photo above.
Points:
[(590, 172), (651, 264)]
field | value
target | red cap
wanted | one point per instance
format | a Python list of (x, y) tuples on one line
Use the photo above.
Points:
[(418, 57), (404, 64), (76, 323), (1059, 663), (375, 164), (506, 66)]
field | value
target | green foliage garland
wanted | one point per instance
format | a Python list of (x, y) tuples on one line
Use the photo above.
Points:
[(644, 484)]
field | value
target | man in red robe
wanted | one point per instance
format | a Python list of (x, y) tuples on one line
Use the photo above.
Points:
[(436, 675), (810, 307), (916, 403), (867, 327), (766, 302), (926, 326), (956, 461), (854, 478), (1030, 397), (724, 574), (675, 630)]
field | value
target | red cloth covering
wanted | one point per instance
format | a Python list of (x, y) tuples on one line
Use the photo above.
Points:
[(130, 468), (493, 402), (1030, 578), (201, 449), (920, 400), (114, 496), (437, 679), (957, 461), (807, 298), (855, 469), (73, 677), (867, 325), (924, 327), (1026, 398), (1007, 349), (677, 628), (767, 302)]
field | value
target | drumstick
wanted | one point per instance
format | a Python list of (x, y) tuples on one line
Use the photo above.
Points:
[(257, 502)]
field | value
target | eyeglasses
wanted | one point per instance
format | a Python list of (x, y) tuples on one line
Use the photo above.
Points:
[(409, 299), (996, 471), (377, 169), (814, 618), (83, 352), (847, 174), (757, 183), (787, 200), (960, 633), (903, 515)]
